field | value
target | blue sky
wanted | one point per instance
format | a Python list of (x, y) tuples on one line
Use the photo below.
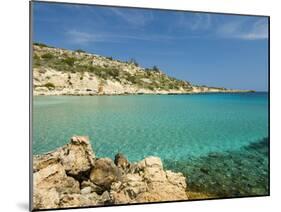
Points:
[(206, 49)]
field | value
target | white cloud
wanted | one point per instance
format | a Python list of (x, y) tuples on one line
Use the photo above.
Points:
[(82, 37), (196, 21), (227, 27), (133, 17), (244, 30)]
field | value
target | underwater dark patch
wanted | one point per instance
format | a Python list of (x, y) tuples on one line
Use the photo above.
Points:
[(243, 172)]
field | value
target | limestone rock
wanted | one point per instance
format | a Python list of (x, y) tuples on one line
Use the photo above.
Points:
[(151, 183), (79, 200), (104, 173), (49, 183), (176, 179), (86, 190), (121, 161), (153, 162), (163, 191), (77, 156), (42, 161), (45, 198), (54, 176), (105, 197), (150, 162), (134, 185), (71, 176), (94, 187), (153, 169)]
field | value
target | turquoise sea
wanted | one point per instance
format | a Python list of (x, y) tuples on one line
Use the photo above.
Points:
[(219, 141)]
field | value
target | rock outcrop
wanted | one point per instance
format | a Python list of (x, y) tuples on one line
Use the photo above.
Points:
[(76, 157), (149, 182), (72, 176)]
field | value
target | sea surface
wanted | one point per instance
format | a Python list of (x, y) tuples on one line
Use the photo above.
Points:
[(219, 141)]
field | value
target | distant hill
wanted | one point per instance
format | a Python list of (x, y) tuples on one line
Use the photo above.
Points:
[(59, 71)]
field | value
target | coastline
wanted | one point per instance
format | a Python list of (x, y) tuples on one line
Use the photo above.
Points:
[(85, 93)]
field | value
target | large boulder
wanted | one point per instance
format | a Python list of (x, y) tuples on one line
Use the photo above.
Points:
[(104, 173), (77, 156)]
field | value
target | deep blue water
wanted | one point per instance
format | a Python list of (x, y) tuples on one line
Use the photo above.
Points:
[(186, 131)]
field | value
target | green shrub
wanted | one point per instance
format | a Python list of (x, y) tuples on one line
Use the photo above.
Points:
[(36, 60), (40, 44), (69, 61), (103, 72), (50, 85), (48, 56), (132, 79), (36, 57), (93, 69), (82, 76), (133, 61), (79, 51), (150, 87), (113, 72), (155, 68), (148, 72), (36, 64), (81, 68)]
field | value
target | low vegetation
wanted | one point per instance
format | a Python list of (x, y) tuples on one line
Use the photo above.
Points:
[(106, 69), (48, 56), (50, 85), (40, 44), (80, 51)]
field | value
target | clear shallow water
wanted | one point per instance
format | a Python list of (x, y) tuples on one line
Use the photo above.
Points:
[(236, 173), (184, 130), (167, 126)]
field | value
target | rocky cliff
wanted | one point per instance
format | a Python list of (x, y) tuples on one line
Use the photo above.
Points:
[(72, 176), (63, 72)]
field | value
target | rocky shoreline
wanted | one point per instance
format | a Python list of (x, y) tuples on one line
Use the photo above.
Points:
[(87, 93), (72, 176)]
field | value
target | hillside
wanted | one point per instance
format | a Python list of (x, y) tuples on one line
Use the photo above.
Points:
[(63, 72)]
